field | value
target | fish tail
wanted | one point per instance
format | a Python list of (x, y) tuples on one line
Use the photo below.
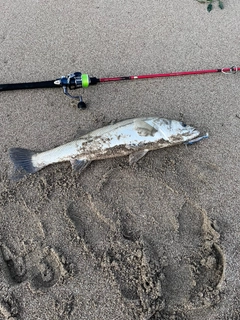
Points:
[(22, 159)]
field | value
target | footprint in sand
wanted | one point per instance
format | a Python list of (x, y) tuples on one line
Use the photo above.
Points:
[(195, 274), (164, 254), (122, 254), (15, 265), (9, 307), (42, 268), (46, 273), (50, 269)]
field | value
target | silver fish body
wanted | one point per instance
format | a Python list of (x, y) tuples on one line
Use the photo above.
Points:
[(133, 137)]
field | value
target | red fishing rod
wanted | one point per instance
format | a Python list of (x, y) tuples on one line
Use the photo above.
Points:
[(81, 80)]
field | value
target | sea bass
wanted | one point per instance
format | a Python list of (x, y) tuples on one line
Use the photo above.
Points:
[(133, 137)]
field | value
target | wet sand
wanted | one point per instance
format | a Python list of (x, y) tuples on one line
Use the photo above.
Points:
[(157, 240)]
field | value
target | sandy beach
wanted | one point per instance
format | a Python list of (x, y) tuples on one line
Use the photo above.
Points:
[(156, 240)]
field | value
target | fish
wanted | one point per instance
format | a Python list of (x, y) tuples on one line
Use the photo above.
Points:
[(131, 137)]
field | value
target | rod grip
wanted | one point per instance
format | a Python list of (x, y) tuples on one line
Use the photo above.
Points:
[(28, 85)]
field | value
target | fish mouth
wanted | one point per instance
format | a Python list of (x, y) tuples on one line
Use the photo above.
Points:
[(193, 133), (190, 133)]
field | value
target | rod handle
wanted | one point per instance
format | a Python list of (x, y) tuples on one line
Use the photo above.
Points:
[(28, 85)]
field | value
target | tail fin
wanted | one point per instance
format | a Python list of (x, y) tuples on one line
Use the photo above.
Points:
[(22, 159)]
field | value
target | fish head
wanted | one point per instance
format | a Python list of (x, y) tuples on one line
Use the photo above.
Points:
[(181, 132), (175, 131)]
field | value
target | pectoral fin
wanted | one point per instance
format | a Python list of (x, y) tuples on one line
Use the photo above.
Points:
[(143, 128), (79, 165), (135, 156)]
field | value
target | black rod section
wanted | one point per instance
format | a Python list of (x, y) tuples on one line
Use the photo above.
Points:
[(28, 85)]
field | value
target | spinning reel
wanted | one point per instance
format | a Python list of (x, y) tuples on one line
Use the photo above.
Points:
[(74, 81)]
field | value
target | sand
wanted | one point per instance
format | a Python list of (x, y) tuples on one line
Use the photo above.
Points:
[(157, 240)]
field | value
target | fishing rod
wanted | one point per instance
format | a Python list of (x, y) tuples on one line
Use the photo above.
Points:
[(81, 80)]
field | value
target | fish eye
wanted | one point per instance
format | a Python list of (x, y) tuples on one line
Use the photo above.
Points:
[(184, 124)]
